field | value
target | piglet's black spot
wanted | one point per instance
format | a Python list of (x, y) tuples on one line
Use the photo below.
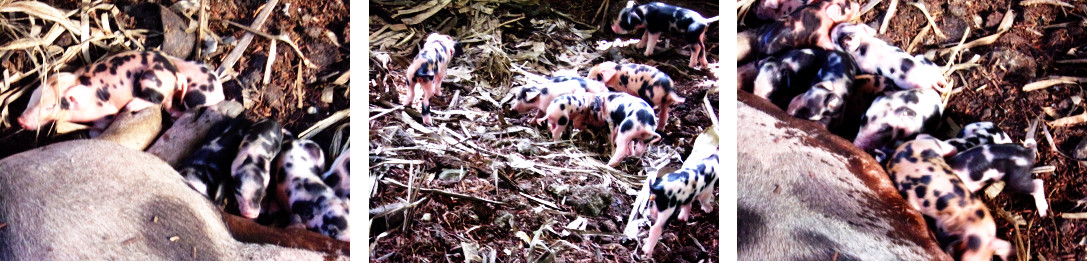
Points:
[(973, 243), (907, 65), (64, 104), (99, 68), (563, 121), (626, 126), (85, 80), (102, 94)]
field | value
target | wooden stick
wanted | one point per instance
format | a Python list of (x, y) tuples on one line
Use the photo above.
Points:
[(247, 38), (887, 19), (436, 191), (1041, 84)]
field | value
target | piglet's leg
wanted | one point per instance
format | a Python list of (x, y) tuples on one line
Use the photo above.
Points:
[(652, 42), (622, 149), (662, 117), (656, 230), (706, 199), (1039, 197), (556, 131), (411, 94), (684, 212), (427, 92), (645, 38)]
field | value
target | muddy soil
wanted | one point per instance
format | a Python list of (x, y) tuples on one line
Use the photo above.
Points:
[(1044, 41), (527, 187)]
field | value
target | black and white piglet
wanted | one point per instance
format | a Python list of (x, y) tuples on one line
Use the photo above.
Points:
[(679, 190), (206, 169), (979, 133), (338, 175), (875, 56), (898, 116), (824, 102), (986, 163), (781, 78), (657, 18), (300, 189), (251, 167)]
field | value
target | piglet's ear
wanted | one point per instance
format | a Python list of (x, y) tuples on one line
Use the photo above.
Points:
[(630, 4), (315, 151)]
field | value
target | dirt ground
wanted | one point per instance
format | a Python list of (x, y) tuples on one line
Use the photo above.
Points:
[(486, 183), (1044, 41)]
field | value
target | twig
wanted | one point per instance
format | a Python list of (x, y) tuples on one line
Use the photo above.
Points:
[(1072, 61), (436, 191), (1074, 215), (1046, 2), (931, 22), (247, 38), (887, 19), (1041, 84), (917, 39), (324, 124), (541, 201), (280, 37)]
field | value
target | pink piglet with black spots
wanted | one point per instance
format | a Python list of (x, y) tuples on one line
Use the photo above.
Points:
[(300, 189), (646, 82), (428, 69), (540, 95), (631, 123)]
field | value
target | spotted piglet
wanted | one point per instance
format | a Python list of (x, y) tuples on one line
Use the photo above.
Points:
[(930, 186), (206, 169), (986, 163), (251, 168), (875, 56), (824, 102), (131, 80), (807, 27), (428, 69), (657, 18), (680, 189), (781, 78), (631, 123), (578, 109), (300, 189), (643, 81), (979, 133), (338, 176), (540, 95), (774, 9), (898, 116)]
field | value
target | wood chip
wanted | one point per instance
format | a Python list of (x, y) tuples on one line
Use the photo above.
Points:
[(1041, 84)]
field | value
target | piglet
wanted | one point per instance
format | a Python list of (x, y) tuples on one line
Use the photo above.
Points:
[(428, 70), (301, 190), (926, 181), (782, 77), (338, 176), (807, 27), (631, 123), (979, 133), (986, 163), (207, 168), (579, 109), (875, 56), (540, 95), (824, 102), (898, 116), (643, 81), (251, 167), (680, 189), (774, 9), (657, 18), (131, 80)]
